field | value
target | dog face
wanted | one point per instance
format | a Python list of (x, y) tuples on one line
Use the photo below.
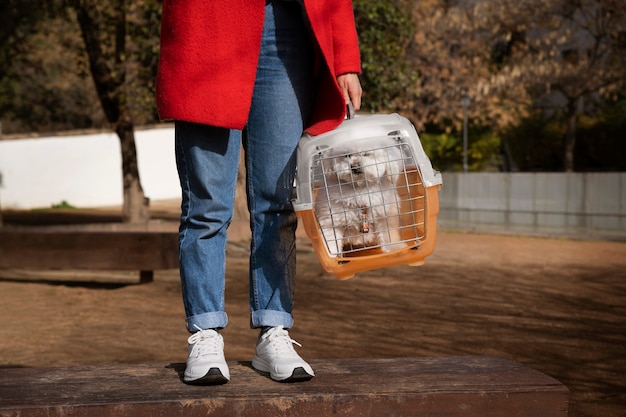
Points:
[(362, 165)]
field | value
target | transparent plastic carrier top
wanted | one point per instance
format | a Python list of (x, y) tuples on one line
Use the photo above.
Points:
[(367, 195)]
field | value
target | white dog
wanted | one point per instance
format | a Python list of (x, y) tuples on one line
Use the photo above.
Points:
[(358, 207)]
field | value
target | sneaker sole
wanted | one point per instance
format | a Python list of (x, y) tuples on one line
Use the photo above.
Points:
[(213, 377), (298, 375)]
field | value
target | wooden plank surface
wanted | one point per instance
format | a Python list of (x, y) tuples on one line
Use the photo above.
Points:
[(439, 386), (116, 250)]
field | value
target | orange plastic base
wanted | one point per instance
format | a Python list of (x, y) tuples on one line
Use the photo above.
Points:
[(345, 267)]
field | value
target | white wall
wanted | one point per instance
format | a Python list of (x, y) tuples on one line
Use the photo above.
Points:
[(84, 170)]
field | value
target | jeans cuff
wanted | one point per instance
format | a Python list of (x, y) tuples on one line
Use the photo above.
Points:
[(213, 320), (270, 318)]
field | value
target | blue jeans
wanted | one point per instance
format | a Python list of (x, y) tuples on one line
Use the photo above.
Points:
[(207, 160)]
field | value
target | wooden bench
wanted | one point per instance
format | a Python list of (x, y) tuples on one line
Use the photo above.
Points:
[(89, 249), (436, 386)]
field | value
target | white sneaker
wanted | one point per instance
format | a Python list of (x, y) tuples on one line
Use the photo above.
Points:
[(206, 364), (276, 356)]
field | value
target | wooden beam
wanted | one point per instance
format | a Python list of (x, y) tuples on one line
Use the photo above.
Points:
[(90, 250), (439, 386)]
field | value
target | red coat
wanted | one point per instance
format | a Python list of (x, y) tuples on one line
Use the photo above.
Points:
[(209, 53)]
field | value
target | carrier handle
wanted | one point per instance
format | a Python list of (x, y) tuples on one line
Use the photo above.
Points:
[(349, 110)]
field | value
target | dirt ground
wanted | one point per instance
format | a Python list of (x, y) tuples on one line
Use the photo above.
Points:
[(557, 305)]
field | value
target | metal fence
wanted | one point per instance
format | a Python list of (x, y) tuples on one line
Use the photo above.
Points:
[(589, 203)]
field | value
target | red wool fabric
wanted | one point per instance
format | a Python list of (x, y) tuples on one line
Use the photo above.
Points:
[(209, 54)]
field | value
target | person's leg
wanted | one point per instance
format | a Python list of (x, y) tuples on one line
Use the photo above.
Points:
[(207, 160), (281, 105)]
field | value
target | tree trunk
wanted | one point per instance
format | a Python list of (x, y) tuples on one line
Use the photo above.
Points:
[(109, 75), (573, 109), (136, 206), (1, 223)]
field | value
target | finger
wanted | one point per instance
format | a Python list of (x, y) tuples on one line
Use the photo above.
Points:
[(351, 89), (355, 96)]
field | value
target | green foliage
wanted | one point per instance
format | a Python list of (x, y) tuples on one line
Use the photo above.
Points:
[(445, 150), (537, 142), (144, 28), (18, 18), (386, 31), (47, 86), (63, 205), (601, 145), (45, 78)]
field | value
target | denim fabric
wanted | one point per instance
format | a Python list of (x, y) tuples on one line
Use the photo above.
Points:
[(207, 159)]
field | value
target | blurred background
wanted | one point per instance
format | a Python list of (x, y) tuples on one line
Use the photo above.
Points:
[(500, 88)]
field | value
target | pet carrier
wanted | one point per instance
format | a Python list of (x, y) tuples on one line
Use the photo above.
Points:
[(367, 195)]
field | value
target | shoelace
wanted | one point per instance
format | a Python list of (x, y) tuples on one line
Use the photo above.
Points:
[(281, 341), (205, 342)]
